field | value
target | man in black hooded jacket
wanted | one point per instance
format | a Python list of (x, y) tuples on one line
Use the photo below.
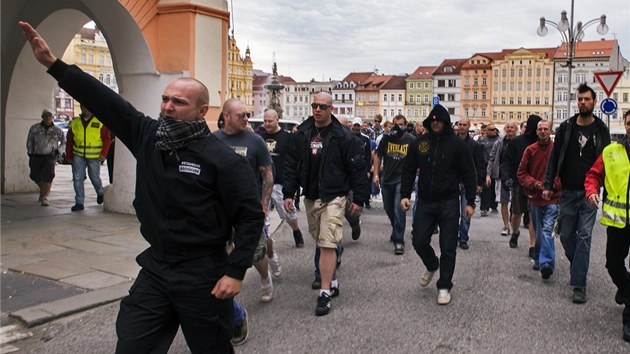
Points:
[(513, 156), (444, 161)]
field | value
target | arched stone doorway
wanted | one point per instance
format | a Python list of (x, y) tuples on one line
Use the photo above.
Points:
[(149, 49)]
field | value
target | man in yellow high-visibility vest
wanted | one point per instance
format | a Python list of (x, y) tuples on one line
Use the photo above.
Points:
[(612, 170), (87, 144)]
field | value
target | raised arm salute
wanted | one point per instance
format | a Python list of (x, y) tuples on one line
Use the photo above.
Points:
[(192, 190)]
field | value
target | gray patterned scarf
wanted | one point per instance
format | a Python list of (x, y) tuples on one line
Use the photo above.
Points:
[(176, 133)]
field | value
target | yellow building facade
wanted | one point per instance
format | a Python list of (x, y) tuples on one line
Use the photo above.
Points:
[(522, 84), (240, 74), (89, 51)]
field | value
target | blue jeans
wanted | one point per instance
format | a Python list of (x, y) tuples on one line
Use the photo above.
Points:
[(78, 176), (239, 313), (445, 214), (543, 218), (397, 217), (464, 224), (576, 218)]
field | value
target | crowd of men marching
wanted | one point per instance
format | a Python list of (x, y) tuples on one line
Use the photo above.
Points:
[(205, 220)]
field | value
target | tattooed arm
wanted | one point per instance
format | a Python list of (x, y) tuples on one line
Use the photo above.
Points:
[(266, 173)]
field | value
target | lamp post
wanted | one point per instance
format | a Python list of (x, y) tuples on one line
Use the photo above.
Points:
[(571, 36)]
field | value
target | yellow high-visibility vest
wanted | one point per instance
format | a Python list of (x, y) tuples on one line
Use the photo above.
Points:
[(617, 169), (87, 141)]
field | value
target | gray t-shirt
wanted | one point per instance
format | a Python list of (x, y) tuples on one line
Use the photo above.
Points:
[(250, 145)]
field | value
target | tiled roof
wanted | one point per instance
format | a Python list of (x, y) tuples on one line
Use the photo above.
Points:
[(423, 72), (590, 49), (357, 77), (373, 83), (455, 63), (395, 83)]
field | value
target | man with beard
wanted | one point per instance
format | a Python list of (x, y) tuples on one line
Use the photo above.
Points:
[(579, 141), (191, 191)]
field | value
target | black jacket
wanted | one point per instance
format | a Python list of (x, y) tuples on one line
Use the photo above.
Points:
[(444, 161), (187, 200), (343, 164), (516, 148), (476, 150), (561, 142)]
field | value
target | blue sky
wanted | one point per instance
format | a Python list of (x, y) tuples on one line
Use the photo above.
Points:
[(331, 38)]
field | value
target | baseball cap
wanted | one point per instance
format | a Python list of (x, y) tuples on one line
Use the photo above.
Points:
[(357, 120), (47, 111)]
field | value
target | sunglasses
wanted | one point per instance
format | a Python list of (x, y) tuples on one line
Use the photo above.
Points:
[(242, 115), (377, 121), (322, 106)]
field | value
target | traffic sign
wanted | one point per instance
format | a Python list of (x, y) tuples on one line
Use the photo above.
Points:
[(608, 106), (436, 100), (608, 80)]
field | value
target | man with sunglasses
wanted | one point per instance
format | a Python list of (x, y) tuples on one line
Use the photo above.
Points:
[(250, 145), (327, 162), (378, 128)]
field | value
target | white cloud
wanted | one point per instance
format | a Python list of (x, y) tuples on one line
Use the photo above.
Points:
[(331, 38)]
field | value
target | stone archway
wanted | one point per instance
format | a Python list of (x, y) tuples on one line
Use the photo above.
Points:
[(140, 35)]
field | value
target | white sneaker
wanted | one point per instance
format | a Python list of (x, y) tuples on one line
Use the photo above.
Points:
[(425, 279), (444, 297), (45, 201), (275, 265), (266, 285)]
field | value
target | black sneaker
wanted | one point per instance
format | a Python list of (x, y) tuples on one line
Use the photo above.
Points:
[(464, 245), (240, 332), (299, 240), (99, 199), (536, 267), (579, 296), (546, 271), (399, 249), (514, 239), (323, 305), (619, 297), (317, 284), (531, 253), (356, 232), (334, 292), (77, 207)]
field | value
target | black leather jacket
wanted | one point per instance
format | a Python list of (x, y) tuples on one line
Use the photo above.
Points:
[(343, 164)]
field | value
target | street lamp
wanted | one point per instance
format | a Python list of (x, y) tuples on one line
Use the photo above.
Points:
[(571, 35)]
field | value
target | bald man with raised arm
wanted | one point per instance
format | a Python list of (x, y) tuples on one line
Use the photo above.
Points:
[(191, 190)]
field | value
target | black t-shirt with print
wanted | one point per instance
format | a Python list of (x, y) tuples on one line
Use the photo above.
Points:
[(278, 145), (580, 156), (393, 151), (316, 148)]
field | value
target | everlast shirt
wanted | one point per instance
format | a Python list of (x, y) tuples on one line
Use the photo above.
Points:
[(393, 151)]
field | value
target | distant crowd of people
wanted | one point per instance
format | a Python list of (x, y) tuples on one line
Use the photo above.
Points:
[(203, 199)]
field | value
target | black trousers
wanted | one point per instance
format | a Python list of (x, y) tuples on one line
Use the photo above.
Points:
[(488, 197), (445, 214), (166, 295), (617, 247)]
